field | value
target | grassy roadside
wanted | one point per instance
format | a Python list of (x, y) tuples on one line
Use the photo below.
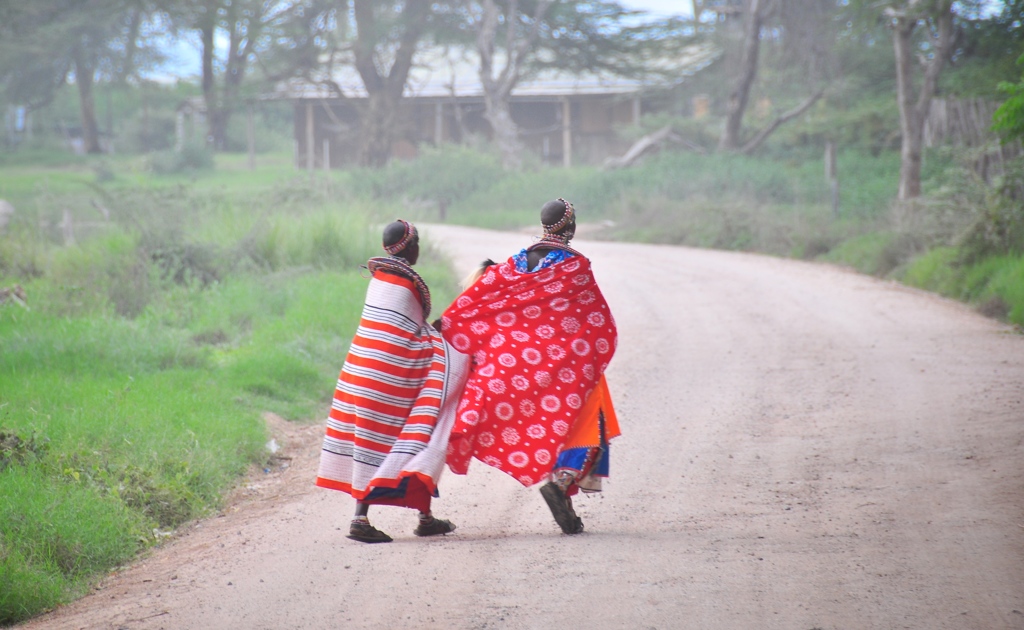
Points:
[(131, 390)]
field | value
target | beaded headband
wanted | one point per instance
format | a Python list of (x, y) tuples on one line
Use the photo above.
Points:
[(409, 236), (570, 213)]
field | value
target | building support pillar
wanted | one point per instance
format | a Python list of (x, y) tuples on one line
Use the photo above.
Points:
[(250, 135), (438, 124), (566, 132), (179, 130), (310, 148)]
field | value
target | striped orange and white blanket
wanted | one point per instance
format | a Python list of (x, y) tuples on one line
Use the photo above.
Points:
[(394, 404)]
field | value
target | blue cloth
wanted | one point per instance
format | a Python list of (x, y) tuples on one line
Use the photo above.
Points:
[(554, 257), (576, 458)]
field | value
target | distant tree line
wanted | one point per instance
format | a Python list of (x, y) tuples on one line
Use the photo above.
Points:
[(799, 52)]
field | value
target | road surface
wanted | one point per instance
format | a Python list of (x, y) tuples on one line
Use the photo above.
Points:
[(803, 448)]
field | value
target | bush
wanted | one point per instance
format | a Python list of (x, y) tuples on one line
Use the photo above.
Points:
[(191, 158), (323, 240), (442, 176), (995, 284), (874, 253), (999, 226), (152, 131)]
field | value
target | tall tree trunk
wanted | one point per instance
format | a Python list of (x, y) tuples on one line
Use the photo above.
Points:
[(506, 134), (498, 89), (737, 104), (244, 23), (245, 30), (910, 149), (384, 90), (914, 111), (84, 78), (377, 130), (206, 33)]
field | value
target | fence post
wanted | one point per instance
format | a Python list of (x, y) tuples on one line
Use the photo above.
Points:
[(832, 175), (250, 133), (310, 149)]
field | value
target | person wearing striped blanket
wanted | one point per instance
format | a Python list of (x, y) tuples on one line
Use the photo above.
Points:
[(395, 401)]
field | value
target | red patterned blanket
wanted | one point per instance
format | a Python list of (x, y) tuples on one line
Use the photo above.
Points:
[(540, 343)]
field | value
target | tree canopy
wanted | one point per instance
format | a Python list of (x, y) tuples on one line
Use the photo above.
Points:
[(872, 64)]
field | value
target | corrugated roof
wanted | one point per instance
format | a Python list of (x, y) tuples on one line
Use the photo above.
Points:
[(448, 72)]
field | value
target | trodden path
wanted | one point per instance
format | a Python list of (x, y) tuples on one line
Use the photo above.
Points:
[(804, 448)]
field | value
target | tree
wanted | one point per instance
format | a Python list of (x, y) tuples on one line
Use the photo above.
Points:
[(29, 76), (517, 39), (1008, 120), (386, 41), (905, 18), (791, 23), (378, 39), (46, 43), (246, 27), (519, 42), (753, 18)]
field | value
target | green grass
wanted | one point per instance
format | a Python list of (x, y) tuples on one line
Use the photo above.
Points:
[(131, 393), (779, 205), (994, 284), (870, 253), (28, 180), (54, 535), (121, 440)]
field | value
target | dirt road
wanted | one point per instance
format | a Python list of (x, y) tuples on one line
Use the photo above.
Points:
[(804, 448)]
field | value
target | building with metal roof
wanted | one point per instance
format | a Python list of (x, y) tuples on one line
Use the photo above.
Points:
[(562, 117)]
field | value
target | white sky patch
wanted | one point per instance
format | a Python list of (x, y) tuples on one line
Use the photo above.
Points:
[(660, 8)]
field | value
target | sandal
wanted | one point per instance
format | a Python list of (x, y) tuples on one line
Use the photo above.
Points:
[(579, 526), (364, 532), (564, 515), (434, 526)]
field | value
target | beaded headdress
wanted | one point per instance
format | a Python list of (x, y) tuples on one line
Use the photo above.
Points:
[(566, 219), (409, 236)]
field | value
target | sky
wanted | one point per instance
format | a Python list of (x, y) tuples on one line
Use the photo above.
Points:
[(661, 8)]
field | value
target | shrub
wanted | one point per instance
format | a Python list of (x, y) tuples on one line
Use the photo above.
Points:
[(191, 157), (999, 226), (442, 176), (324, 240)]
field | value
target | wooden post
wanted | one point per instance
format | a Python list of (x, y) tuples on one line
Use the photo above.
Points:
[(310, 148), (701, 106), (832, 175), (145, 119), (67, 228), (250, 133), (327, 155), (438, 124), (636, 110), (179, 130), (566, 132)]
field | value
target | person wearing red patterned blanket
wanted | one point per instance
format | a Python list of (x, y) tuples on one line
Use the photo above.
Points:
[(536, 404), (395, 401)]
